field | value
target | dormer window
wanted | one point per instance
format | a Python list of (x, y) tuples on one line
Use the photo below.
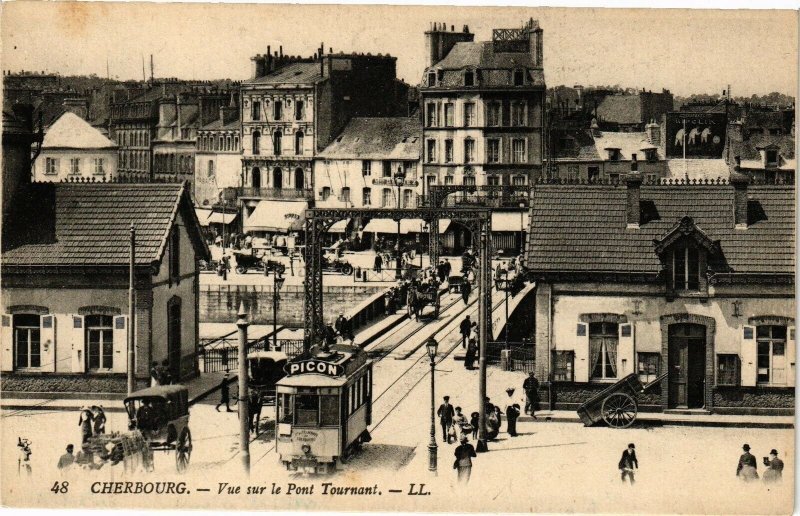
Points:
[(469, 78), (614, 154), (519, 78), (771, 156), (650, 155), (431, 78), (685, 253), (685, 269)]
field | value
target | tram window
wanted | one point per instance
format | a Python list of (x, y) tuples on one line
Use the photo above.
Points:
[(353, 405), (286, 412), (328, 410), (306, 406)]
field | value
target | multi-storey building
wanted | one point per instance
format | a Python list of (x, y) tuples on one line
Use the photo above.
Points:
[(482, 107), (74, 150), (218, 158), (292, 107)]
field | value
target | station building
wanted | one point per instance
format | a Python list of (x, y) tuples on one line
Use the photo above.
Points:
[(694, 279)]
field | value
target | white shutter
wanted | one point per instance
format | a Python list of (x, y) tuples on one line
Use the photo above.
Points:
[(47, 342), (78, 334), (7, 343), (120, 336), (625, 351), (748, 352), (791, 351), (582, 352)]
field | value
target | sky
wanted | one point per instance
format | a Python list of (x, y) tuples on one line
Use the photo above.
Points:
[(685, 51)]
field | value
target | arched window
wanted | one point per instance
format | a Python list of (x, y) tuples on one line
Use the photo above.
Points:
[(255, 178), (299, 178), (277, 178), (298, 143), (277, 140), (256, 142), (278, 110), (228, 143), (211, 168)]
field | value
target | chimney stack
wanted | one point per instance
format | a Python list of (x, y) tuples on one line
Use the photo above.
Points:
[(653, 131), (740, 182), (633, 183)]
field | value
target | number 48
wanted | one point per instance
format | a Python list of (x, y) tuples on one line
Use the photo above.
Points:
[(60, 488)]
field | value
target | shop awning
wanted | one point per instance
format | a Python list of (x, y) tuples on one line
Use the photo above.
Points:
[(406, 226), (509, 221), (221, 218), (202, 215), (277, 216), (339, 226)]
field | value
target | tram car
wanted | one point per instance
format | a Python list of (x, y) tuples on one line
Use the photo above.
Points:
[(324, 408)]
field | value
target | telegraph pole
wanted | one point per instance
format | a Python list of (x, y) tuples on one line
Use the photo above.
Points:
[(483, 325), (132, 316)]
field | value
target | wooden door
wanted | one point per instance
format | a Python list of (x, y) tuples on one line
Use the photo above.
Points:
[(686, 362)]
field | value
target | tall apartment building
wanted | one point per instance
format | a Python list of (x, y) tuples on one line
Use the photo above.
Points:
[(482, 106), (293, 107)]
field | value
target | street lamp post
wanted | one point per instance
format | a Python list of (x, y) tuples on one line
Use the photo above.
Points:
[(244, 416), (399, 181), (277, 283), (431, 346)]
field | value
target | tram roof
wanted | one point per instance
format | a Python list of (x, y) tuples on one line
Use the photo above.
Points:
[(272, 355)]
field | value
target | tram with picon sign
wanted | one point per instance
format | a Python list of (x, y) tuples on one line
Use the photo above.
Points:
[(324, 406)]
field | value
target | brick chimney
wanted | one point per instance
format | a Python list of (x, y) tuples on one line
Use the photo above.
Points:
[(633, 184), (740, 182), (653, 131), (78, 106), (439, 41)]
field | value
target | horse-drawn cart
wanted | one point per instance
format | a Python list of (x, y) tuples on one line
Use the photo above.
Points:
[(617, 404), (426, 295)]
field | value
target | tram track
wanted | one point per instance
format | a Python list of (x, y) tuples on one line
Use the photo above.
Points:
[(448, 327)]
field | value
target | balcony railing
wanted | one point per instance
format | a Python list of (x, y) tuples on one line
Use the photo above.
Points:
[(274, 193), (489, 196)]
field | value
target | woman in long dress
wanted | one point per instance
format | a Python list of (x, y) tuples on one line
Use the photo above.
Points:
[(86, 424)]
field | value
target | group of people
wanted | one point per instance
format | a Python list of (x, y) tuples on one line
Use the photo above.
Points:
[(92, 422), (160, 374), (342, 328), (747, 469), (406, 292), (469, 340)]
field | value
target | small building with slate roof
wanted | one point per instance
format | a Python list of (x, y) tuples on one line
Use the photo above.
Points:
[(688, 285), (73, 149), (65, 274)]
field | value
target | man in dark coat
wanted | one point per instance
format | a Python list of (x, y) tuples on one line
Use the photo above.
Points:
[(464, 454), (464, 328), (378, 262), (445, 413), (224, 394), (774, 471), (747, 469), (531, 388), (512, 413), (628, 462), (466, 288), (411, 302)]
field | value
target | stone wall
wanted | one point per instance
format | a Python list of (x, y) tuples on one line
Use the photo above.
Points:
[(754, 397), (66, 383), (220, 303), (567, 396)]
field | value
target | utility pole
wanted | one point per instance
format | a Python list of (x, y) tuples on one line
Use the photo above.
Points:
[(144, 76), (152, 68), (132, 316), (244, 412)]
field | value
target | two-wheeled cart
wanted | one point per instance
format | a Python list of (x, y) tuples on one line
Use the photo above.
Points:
[(617, 404)]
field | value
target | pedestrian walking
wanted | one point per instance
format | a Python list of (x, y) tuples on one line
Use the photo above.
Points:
[(628, 462), (531, 388), (378, 262), (474, 420), (466, 288), (469, 358), (460, 422), (66, 461), (411, 303), (254, 407), (512, 413), (85, 423), (344, 328), (98, 420), (464, 328), (224, 394), (747, 468), (774, 471), (464, 454), (445, 413)]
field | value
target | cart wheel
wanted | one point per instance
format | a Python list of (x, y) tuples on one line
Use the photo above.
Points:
[(619, 410), (183, 450)]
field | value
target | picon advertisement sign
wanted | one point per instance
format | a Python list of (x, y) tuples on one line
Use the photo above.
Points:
[(703, 134)]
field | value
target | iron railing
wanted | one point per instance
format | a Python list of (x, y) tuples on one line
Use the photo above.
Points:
[(274, 193), (522, 355), (222, 354)]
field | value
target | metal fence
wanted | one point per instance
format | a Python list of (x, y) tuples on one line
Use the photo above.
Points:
[(385, 274), (223, 354), (522, 355)]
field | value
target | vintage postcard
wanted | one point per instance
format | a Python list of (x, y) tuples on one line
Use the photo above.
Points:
[(398, 258)]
